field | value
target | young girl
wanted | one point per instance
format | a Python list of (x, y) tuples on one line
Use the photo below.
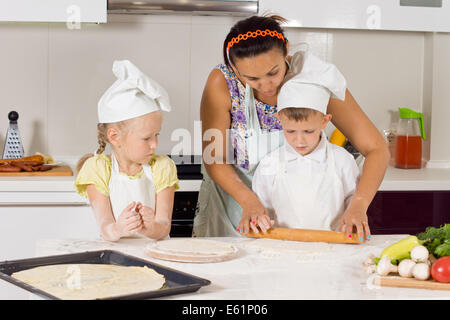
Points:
[(131, 191)]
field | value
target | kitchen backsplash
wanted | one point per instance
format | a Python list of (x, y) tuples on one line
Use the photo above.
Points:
[(54, 76)]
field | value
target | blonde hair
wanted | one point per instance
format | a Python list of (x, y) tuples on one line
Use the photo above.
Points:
[(102, 139)]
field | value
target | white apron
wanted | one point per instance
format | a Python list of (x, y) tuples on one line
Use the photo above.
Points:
[(308, 201), (123, 190), (259, 143)]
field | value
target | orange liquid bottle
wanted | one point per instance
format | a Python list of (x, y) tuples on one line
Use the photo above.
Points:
[(410, 132), (408, 154)]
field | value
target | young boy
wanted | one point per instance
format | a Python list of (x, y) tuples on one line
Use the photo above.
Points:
[(308, 182)]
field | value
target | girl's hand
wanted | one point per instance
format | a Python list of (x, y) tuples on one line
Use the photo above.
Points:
[(129, 221), (355, 218), (147, 215), (254, 215)]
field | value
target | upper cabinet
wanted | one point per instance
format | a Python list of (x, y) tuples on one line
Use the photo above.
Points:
[(405, 15), (67, 11)]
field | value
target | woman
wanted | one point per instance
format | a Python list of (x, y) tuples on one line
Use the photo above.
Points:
[(244, 91)]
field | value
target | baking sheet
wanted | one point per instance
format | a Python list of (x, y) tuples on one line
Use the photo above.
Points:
[(176, 281)]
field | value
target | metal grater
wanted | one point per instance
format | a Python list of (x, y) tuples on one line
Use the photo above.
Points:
[(13, 144)]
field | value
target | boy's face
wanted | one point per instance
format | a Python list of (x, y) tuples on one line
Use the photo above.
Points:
[(304, 136)]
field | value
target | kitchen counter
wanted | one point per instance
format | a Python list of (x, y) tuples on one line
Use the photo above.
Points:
[(60, 190), (333, 271)]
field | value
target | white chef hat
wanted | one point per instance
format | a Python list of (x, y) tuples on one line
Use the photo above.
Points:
[(133, 94), (311, 82)]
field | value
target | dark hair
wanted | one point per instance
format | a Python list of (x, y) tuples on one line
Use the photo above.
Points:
[(254, 46), (298, 114)]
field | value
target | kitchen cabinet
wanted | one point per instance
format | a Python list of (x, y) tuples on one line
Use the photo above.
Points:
[(68, 11), (404, 15), (408, 212)]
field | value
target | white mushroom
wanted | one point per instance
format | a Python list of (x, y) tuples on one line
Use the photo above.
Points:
[(385, 266), (405, 268), (421, 271), (419, 254)]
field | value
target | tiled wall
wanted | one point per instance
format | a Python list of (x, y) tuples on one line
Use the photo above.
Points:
[(54, 76)]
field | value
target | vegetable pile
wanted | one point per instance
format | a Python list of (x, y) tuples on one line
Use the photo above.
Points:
[(419, 256), (437, 240)]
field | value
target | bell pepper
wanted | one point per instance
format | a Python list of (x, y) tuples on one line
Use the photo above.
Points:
[(401, 249)]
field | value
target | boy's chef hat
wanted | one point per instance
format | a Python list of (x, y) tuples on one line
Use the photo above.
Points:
[(132, 95), (310, 84)]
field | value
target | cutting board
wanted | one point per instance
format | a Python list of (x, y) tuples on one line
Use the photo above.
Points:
[(56, 171), (400, 282)]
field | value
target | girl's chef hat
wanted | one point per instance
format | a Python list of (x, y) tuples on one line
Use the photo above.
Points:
[(132, 95), (309, 83)]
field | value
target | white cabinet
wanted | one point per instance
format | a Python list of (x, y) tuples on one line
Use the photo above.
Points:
[(405, 15), (22, 226), (68, 11)]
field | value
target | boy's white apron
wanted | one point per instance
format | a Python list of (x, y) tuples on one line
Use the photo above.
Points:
[(123, 190), (308, 201)]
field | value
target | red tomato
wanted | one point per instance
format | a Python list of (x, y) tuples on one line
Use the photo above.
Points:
[(440, 271)]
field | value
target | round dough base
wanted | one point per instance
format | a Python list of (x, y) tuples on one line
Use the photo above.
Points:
[(191, 250)]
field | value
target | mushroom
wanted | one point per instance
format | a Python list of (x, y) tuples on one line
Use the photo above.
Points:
[(405, 268), (421, 271), (419, 254), (385, 266)]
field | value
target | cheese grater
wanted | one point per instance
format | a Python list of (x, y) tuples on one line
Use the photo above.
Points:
[(13, 144)]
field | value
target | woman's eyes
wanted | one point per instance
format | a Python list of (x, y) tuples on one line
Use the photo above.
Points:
[(269, 74)]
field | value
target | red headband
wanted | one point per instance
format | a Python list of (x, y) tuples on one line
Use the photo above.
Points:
[(245, 36)]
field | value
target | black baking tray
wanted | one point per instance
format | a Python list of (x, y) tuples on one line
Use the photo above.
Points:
[(177, 282)]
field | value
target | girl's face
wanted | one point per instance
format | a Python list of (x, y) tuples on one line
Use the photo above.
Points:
[(304, 136), (140, 139), (263, 72)]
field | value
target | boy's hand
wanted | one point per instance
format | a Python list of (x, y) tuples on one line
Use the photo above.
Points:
[(254, 215), (129, 221)]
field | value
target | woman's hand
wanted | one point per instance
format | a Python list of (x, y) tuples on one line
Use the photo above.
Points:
[(129, 221), (355, 218), (254, 215)]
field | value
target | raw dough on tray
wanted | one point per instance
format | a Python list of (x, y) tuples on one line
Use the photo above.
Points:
[(91, 281)]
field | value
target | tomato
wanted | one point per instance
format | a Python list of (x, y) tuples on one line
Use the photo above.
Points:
[(440, 271)]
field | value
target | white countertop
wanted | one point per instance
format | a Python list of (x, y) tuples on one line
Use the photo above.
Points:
[(271, 271), (60, 190), (395, 179)]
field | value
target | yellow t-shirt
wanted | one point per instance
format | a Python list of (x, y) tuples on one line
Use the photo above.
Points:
[(97, 171)]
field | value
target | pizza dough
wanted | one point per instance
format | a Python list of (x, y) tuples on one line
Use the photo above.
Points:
[(301, 251), (91, 281), (191, 250)]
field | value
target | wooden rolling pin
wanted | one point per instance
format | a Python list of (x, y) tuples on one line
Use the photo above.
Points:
[(305, 235)]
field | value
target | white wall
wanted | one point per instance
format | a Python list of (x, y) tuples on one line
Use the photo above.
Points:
[(54, 76)]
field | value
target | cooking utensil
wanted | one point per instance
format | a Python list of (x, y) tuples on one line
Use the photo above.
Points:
[(176, 281), (13, 148), (306, 235), (54, 171)]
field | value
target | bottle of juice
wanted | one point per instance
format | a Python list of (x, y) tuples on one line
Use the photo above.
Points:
[(410, 132)]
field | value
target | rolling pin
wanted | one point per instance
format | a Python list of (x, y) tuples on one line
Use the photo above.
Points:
[(305, 235)]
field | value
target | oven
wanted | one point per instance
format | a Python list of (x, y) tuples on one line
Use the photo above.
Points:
[(185, 201)]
